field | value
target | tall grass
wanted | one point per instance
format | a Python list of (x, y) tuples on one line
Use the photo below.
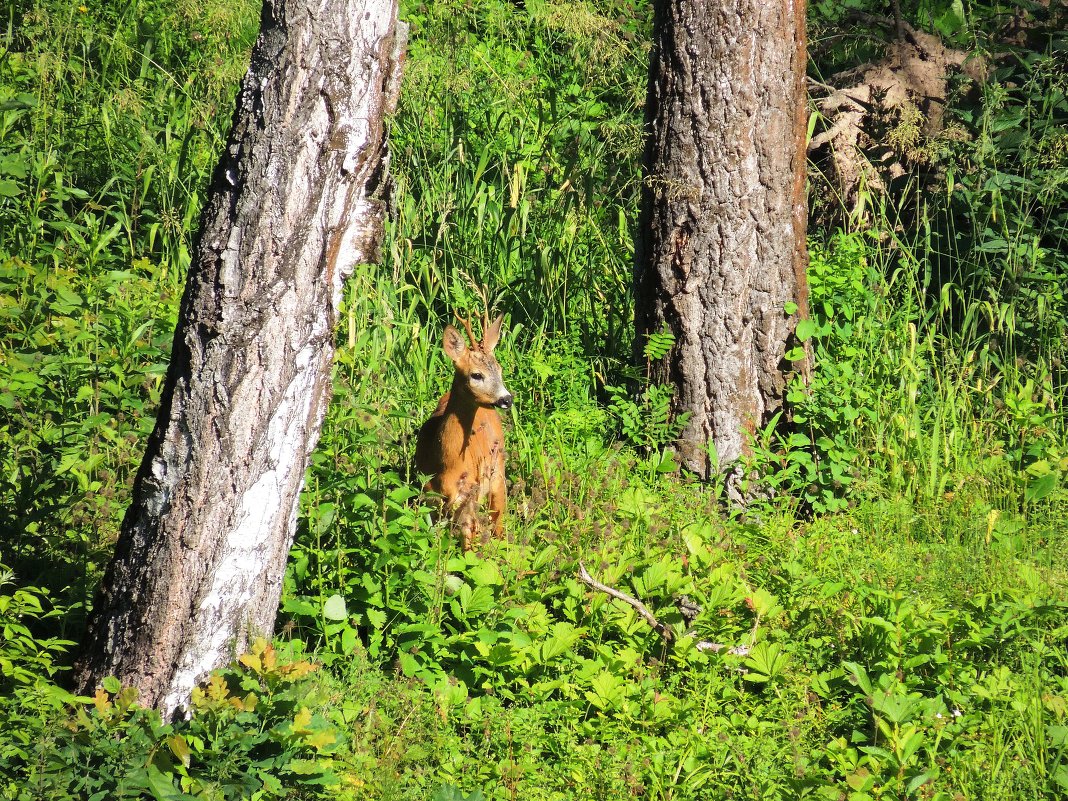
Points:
[(960, 277), (908, 569), (109, 124)]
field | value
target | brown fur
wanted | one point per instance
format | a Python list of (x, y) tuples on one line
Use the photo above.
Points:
[(461, 446)]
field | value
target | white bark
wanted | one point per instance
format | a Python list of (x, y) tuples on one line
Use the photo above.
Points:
[(292, 209)]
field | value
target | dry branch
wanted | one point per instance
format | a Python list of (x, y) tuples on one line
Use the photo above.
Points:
[(663, 629)]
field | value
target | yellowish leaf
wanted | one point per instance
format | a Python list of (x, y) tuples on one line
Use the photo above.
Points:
[(126, 697), (180, 749), (302, 719), (246, 704), (252, 662), (270, 658), (217, 689), (321, 739), (298, 670)]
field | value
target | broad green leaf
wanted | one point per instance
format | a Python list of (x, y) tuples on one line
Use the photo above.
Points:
[(765, 662), (160, 784), (485, 573), (477, 601), (805, 329), (562, 636), (334, 608), (1040, 487), (1057, 736), (376, 617), (918, 781), (180, 749)]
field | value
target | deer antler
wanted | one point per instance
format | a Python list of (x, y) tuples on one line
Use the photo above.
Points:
[(481, 290), (475, 344)]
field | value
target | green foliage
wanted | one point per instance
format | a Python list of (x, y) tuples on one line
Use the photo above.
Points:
[(902, 401), (1000, 234), (903, 637), (25, 658), (507, 646), (647, 420), (29, 664), (847, 334), (448, 792), (109, 123), (516, 147), (252, 734), (915, 706)]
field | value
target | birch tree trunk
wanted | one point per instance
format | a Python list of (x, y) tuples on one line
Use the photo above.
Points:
[(721, 249), (292, 208)]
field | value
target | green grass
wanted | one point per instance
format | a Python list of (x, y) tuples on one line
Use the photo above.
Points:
[(893, 614)]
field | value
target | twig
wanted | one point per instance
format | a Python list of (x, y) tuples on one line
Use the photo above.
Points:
[(663, 630), (869, 19), (812, 82), (639, 607)]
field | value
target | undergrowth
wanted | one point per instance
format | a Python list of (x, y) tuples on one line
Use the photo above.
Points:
[(888, 619)]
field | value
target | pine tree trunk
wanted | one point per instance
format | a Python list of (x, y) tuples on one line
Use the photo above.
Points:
[(721, 244), (293, 206)]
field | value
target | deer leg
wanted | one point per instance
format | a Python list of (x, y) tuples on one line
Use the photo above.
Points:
[(498, 500), (467, 521), (456, 501)]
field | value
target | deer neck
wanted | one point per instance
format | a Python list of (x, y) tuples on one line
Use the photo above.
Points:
[(462, 403)]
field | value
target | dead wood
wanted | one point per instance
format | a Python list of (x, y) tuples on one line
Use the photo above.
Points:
[(661, 628), (895, 107)]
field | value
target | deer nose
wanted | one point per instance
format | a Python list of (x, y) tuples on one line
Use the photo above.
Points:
[(504, 403)]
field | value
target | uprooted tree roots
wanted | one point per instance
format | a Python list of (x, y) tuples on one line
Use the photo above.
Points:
[(883, 117)]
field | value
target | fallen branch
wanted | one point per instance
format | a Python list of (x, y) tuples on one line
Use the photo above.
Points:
[(664, 630), (906, 92)]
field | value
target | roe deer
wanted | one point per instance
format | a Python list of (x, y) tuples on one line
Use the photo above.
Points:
[(461, 446)]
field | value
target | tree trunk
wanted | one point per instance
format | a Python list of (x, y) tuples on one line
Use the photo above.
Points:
[(292, 207), (721, 245)]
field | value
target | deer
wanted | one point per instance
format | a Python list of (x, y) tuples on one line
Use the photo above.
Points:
[(461, 446)]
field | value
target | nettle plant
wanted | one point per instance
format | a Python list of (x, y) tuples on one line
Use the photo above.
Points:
[(819, 460)]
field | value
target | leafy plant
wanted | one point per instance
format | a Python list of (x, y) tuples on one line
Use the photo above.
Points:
[(252, 733), (648, 420), (888, 622)]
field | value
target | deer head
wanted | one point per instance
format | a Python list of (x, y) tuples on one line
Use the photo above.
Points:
[(478, 375)]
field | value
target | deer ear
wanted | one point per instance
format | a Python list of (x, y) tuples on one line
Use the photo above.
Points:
[(454, 344), (492, 335)]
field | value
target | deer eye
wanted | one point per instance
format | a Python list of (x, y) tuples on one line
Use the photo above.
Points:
[(477, 376)]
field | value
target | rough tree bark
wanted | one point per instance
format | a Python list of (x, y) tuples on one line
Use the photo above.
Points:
[(721, 245), (292, 207)]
